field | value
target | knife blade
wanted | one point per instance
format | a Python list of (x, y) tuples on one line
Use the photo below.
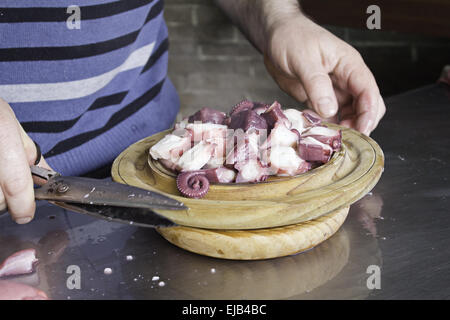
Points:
[(127, 215), (106, 199)]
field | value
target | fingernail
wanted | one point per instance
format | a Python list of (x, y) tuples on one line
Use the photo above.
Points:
[(325, 107), (23, 220)]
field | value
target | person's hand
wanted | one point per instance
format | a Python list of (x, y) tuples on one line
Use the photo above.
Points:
[(17, 153), (10, 290), (313, 66)]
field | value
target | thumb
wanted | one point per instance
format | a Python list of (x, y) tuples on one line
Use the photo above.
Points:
[(318, 87)]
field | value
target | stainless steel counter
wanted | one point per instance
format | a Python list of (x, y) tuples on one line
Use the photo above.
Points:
[(402, 227)]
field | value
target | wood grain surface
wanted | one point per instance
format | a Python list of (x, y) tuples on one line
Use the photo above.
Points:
[(256, 244)]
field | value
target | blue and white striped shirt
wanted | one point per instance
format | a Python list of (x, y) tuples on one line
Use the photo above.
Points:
[(86, 94)]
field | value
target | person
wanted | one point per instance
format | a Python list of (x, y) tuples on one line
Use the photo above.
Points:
[(86, 89)]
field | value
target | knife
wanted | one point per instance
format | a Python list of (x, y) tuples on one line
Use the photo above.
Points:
[(107, 200)]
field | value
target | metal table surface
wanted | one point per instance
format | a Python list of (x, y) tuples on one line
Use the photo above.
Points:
[(402, 226)]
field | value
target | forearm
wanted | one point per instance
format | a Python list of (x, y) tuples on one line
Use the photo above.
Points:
[(256, 18)]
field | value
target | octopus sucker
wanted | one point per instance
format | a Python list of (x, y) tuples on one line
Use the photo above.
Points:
[(254, 141)]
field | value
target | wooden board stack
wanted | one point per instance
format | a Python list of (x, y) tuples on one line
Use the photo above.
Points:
[(279, 217)]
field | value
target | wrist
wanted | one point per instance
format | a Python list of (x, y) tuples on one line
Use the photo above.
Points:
[(274, 15), (258, 18)]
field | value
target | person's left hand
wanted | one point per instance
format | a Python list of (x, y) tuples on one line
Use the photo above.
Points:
[(313, 66)]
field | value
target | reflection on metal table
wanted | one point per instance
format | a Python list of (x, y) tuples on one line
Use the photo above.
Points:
[(402, 227)]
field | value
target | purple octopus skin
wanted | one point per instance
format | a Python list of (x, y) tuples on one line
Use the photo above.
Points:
[(310, 149), (208, 115), (227, 121), (274, 114), (325, 135), (247, 120), (193, 184), (259, 107)]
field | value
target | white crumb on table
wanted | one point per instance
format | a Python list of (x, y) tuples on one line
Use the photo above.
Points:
[(107, 271)]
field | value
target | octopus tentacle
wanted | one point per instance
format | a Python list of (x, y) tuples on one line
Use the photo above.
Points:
[(241, 106), (193, 184)]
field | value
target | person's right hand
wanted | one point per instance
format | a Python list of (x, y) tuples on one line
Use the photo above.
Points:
[(17, 153), (314, 66), (10, 290)]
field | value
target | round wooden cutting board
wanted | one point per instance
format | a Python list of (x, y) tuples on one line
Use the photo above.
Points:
[(280, 217), (256, 244)]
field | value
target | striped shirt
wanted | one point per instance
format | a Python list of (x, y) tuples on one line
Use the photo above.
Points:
[(86, 91)]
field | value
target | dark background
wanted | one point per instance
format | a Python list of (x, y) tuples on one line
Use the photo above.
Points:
[(212, 64)]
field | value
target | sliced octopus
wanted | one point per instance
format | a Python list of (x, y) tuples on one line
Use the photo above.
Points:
[(249, 144)]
